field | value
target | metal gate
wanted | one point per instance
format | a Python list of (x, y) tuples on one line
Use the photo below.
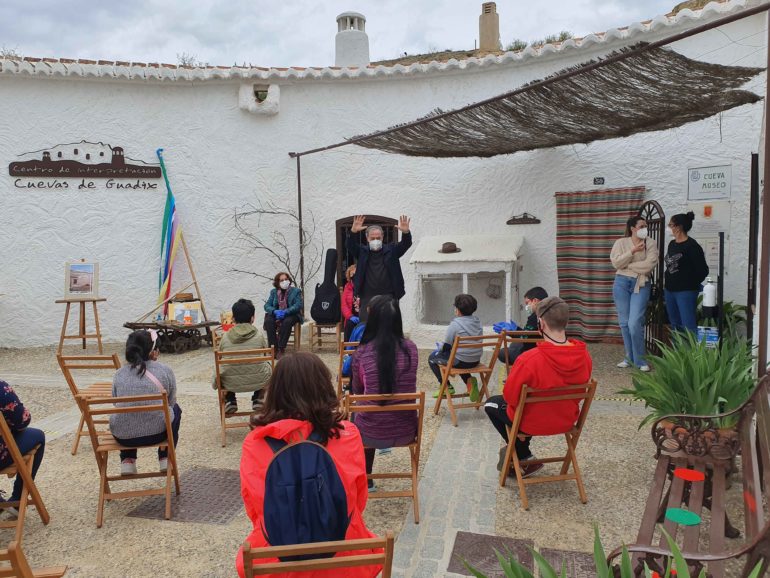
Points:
[(654, 329)]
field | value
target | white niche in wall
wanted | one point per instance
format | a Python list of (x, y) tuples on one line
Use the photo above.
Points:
[(259, 98), (485, 267)]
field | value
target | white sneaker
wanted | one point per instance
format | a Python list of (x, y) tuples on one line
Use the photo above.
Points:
[(645, 368), (128, 467), (623, 364), (163, 464)]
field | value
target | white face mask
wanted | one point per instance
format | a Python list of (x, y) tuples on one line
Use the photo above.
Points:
[(285, 284), (375, 244), (528, 308), (642, 233)]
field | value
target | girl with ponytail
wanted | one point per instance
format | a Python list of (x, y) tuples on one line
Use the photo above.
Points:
[(384, 363), (143, 375)]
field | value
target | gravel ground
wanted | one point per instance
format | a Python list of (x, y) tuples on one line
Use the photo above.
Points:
[(617, 459)]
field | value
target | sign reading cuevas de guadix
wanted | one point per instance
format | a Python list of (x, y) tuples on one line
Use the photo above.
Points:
[(54, 167)]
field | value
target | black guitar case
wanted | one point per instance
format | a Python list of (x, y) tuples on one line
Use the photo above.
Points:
[(326, 305)]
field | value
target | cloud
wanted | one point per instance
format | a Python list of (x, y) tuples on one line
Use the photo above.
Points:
[(297, 33)]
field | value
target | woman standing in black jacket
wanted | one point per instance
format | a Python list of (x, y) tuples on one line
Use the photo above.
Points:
[(686, 268)]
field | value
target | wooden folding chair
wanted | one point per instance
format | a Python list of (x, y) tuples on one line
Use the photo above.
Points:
[(295, 339), (408, 402), (99, 389), (104, 443), (237, 357), (346, 348), (384, 559), (483, 370), (317, 331), (19, 567), (30, 496), (511, 337), (572, 436)]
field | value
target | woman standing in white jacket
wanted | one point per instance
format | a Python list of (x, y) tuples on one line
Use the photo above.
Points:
[(634, 257)]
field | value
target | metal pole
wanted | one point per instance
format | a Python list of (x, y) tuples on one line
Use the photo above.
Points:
[(764, 241), (751, 291), (721, 287), (301, 233)]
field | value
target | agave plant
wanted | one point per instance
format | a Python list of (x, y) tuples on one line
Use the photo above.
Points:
[(675, 566), (691, 378)]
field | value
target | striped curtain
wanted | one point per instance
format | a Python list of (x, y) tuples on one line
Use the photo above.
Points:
[(587, 224)]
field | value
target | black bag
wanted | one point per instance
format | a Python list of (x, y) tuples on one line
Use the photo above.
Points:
[(326, 305)]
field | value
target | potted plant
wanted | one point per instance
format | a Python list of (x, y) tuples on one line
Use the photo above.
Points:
[(675, 566), (692, 379)]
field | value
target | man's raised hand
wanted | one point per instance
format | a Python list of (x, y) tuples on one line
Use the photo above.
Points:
[(358, 224), (403, 224)]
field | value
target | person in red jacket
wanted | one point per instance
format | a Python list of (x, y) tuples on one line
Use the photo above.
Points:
[(350, 304), (555, 362), (301, 399)]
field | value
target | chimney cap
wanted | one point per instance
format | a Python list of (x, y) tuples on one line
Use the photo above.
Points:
[(351, 15)]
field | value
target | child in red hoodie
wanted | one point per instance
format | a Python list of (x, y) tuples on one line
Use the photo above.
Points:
[(555, 362)]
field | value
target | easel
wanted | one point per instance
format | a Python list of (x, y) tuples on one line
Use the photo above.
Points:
[(81, 334), (198, 295)]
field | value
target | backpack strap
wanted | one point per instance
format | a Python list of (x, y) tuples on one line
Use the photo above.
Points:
[(275, 444), (315, 437)]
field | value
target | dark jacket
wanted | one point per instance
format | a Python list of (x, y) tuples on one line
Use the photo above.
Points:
[(392, 252), (686, 266), (293, 302)]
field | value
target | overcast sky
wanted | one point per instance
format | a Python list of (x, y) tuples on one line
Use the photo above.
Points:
[(288, 33)]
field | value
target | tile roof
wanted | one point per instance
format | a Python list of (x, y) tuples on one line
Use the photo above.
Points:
[(149, 71)]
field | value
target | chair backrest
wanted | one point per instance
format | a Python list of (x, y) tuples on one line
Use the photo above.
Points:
[(511, 337), (19, 567), (406, 402), (384, 559), (104, 406), (529, 396), (346, 348), (755, 458), (68, 363), (482, 342), (242, 357)]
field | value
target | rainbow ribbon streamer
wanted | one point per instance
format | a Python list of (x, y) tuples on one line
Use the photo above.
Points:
[(169, 242)]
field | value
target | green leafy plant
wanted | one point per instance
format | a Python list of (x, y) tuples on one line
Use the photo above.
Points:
[(516, 44), (693, 379), (514, 569)]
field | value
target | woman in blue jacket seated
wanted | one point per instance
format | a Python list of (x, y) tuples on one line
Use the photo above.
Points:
[(283, 310)]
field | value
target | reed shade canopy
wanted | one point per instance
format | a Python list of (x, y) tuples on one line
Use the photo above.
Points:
[(652, 90)]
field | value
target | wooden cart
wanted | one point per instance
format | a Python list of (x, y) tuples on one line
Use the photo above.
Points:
[(176, 337)]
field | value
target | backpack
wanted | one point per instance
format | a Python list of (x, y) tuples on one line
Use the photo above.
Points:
[(326, 306), (305, 499)]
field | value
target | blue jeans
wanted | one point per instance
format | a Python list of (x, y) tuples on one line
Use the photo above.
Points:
[(681, 307), (631, 310), (26, 439)]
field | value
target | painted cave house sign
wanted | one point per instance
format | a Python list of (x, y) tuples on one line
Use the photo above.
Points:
[(83, 159)]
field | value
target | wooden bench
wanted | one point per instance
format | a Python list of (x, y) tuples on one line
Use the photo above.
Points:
[(705, 451)]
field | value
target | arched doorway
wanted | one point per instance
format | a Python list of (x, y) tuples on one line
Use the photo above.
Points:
[(653, 214), (343, 226)]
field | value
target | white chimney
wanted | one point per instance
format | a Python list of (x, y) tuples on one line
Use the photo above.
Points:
[(351, 42), (489, 27)]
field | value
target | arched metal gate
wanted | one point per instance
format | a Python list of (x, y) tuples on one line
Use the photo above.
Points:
[(654, 329)]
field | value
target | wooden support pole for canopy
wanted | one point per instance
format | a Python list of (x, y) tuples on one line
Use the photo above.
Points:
[(301, 234), (764, 242)]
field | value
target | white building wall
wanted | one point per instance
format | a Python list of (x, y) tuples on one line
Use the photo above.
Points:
[(220, 157)]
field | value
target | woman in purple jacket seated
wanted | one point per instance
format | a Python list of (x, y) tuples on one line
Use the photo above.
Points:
[(17, 417), (384, 363)]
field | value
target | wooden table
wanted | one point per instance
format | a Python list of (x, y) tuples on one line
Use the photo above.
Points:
[(81, 334)]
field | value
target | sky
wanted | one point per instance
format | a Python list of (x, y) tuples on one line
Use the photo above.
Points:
[(288, 33)]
